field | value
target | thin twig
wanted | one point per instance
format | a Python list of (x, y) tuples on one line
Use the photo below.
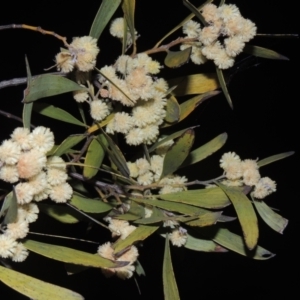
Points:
[(11, 116), (166, 47), (102, 185), (35, 28), (63, 237)]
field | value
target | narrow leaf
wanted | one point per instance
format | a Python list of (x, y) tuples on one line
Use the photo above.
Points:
[(168, 138), (62, 214), (139, 234), (207, 219), (115, 155), (103, 123), (205, 150), (203, 245), (128, 9), (135, 212), (194, 84), (195, 11), (27, 107), (178, 152), (172, 206), (176, 59), (104, 14), (190, 105), (207, 198), (35, 288), (274, 220), (94, 157), (68, 143), (12, 211), (49, 85), (263, 52), (69, 255), (56, 113), (235, 243), (224, 86), (169, 281), (273, 158), (172, 110), (89, 205), (246, 214)]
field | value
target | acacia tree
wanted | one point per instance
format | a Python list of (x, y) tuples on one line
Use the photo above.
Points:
[(179, 205)]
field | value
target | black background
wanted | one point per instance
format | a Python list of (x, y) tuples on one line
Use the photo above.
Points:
[(263, 123)]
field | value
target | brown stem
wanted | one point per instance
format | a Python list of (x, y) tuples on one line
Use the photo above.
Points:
[(168, 46), (36, 28)]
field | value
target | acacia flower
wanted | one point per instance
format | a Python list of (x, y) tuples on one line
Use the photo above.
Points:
[(20, 253), (264, 187), (178, 237), (61, 193), (9, 152), (42, 138), (99, 110), (7, 246)]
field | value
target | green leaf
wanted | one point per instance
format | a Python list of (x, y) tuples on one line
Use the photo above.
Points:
[(12, 211), (135, 212), (139, 234), (62, 214), (207, 198), (128, 9), (104, 14), (35, 288), (235, 243), (197, 244), (205, 150), (178, 152), (89, 205), (263, 52), (169, 281), (274, 220), (49, 85), (115, 154), (273, 158), (96, 126), (224, 86), (190, 105), (194, 84), (68, 143), (172, 206), (69, 255), (139, 268), (27, 108), (172, 110), (207, 219), (56, 113), (195, 11), (168, 138), (175, 59), (94, 157), (9, 208), (246, 214)]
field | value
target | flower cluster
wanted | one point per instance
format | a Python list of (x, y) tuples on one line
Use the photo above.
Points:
[(239, 172), (9, 246), (23, 159), (130, 82), (222, 39), (82, 53)]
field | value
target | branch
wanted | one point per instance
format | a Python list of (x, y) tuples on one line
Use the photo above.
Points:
[(36, 28), (165, 48)]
